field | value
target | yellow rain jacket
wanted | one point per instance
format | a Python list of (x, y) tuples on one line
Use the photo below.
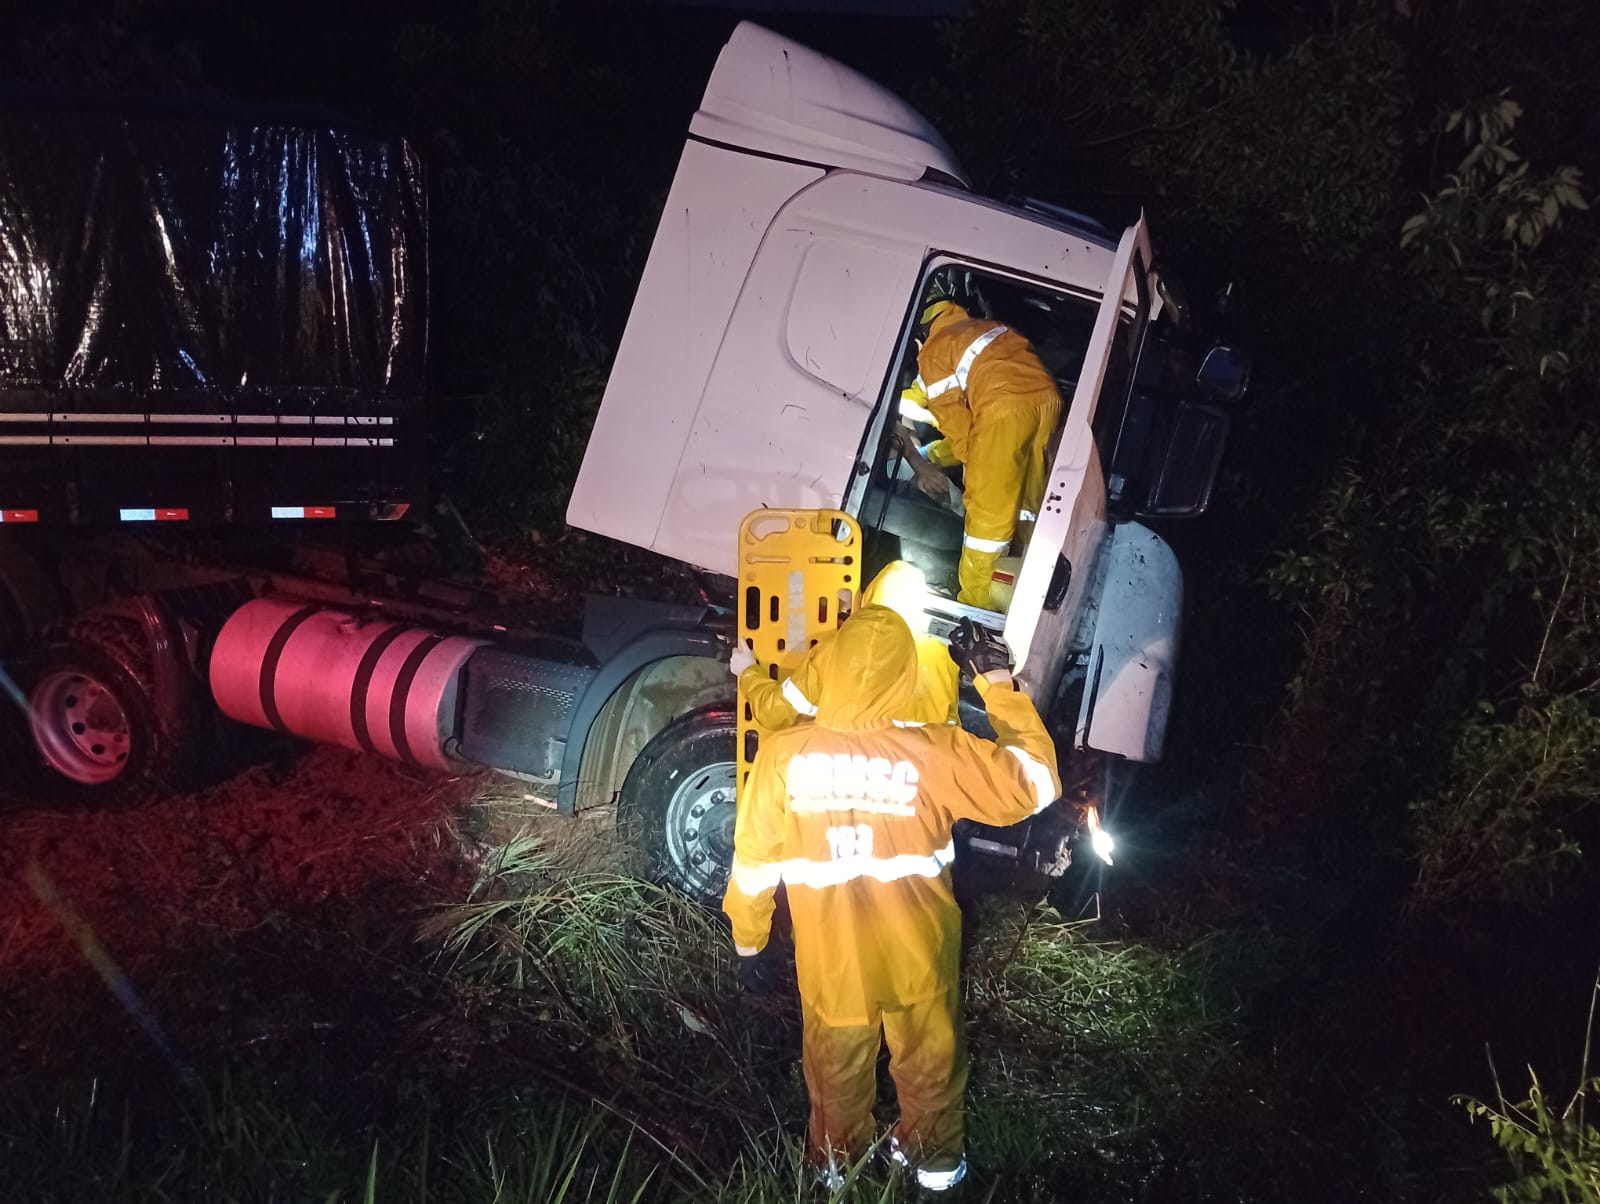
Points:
[(853, 813), (996, 406), (778, 703)]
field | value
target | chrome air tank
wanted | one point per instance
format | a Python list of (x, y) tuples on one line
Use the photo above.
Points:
[(339, 678)]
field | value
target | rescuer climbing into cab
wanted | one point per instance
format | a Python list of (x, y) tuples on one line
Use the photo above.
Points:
[(777, 702), (995, 405), (852, 812)]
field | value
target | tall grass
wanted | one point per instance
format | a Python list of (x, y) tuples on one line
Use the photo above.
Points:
[(231, 1141), (1554, 1151), (613, 1060)]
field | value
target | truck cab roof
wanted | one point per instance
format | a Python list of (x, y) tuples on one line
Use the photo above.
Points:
[(777, 97)]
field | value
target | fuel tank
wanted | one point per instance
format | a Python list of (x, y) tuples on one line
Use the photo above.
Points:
[(339, 678)]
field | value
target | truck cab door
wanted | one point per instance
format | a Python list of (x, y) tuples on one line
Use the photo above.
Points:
[(1054, 578)]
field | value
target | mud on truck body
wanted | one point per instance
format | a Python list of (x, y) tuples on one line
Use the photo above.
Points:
[(213, 353)]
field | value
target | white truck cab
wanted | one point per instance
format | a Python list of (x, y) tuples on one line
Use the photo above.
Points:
[(772, 334)]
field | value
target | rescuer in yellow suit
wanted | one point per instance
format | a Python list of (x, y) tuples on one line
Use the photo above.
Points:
[(996, 405), (777, 703), (852, 813)]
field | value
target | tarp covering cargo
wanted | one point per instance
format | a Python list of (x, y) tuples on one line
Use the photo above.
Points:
[(221, 316)]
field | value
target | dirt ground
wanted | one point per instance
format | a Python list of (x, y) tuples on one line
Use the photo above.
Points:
[(114, 920)]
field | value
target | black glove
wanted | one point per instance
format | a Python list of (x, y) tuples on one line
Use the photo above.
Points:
[(978, 650), (758, 972)]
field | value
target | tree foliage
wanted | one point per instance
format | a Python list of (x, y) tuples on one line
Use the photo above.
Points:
[(1453, 560)]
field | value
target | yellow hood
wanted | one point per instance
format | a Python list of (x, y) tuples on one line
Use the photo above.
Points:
[(903, 589), (871, 673), (943, 313)]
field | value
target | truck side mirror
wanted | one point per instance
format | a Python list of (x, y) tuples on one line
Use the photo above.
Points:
[(1185, 468), (1224, 374)]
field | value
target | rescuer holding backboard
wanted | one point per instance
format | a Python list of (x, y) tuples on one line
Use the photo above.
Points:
[(853, 814)]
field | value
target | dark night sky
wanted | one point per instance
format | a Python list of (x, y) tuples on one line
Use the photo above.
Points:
[(860, 8)]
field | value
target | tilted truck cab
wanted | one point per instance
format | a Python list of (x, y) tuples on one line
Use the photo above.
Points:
[(771, 337), (762, 364)]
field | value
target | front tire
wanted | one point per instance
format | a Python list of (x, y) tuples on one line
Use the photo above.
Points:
[(677, 805)]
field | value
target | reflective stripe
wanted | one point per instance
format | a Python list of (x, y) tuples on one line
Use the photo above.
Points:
[(867, 806), (795, 697), (746, 950), (1027, 516), (1038, 775), (908, 723), (942, 1180), (802, 871), (941, 386), (973, 351), (304, 512), (985, 545), (146, 515), (917, 413), (754, 879)]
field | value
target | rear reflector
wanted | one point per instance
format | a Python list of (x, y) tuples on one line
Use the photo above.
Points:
[(137, 515), (19, 516), (304, 511)]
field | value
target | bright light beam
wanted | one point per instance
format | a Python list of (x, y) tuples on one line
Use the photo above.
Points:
[(1099, 839), (45, 889)]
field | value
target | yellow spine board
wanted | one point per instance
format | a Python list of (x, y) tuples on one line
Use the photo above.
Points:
[(799, 570)]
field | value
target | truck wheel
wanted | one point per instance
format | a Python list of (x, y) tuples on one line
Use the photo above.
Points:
[(95, 719), (677, 803)]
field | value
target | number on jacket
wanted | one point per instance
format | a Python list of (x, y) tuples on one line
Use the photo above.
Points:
[(850, 840)]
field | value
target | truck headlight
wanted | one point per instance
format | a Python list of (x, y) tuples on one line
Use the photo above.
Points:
[(1099, 839)]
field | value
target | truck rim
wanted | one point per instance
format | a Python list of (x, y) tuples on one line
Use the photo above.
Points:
[(80, 727), (700, 817)]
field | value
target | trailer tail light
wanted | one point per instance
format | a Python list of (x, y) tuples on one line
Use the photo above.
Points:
[(136, 514), (305, 512), (19, 516)]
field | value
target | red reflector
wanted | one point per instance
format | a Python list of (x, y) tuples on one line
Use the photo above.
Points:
[(19, 516), (172, 516), (1007, 578), (321, 511)]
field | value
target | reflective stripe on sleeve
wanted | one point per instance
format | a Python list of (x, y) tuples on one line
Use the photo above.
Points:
[(746, 950), (942, 386), (755, 879), (1027, 516), (973, 351), (1038, 775), (795, 697), (985, 545)]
